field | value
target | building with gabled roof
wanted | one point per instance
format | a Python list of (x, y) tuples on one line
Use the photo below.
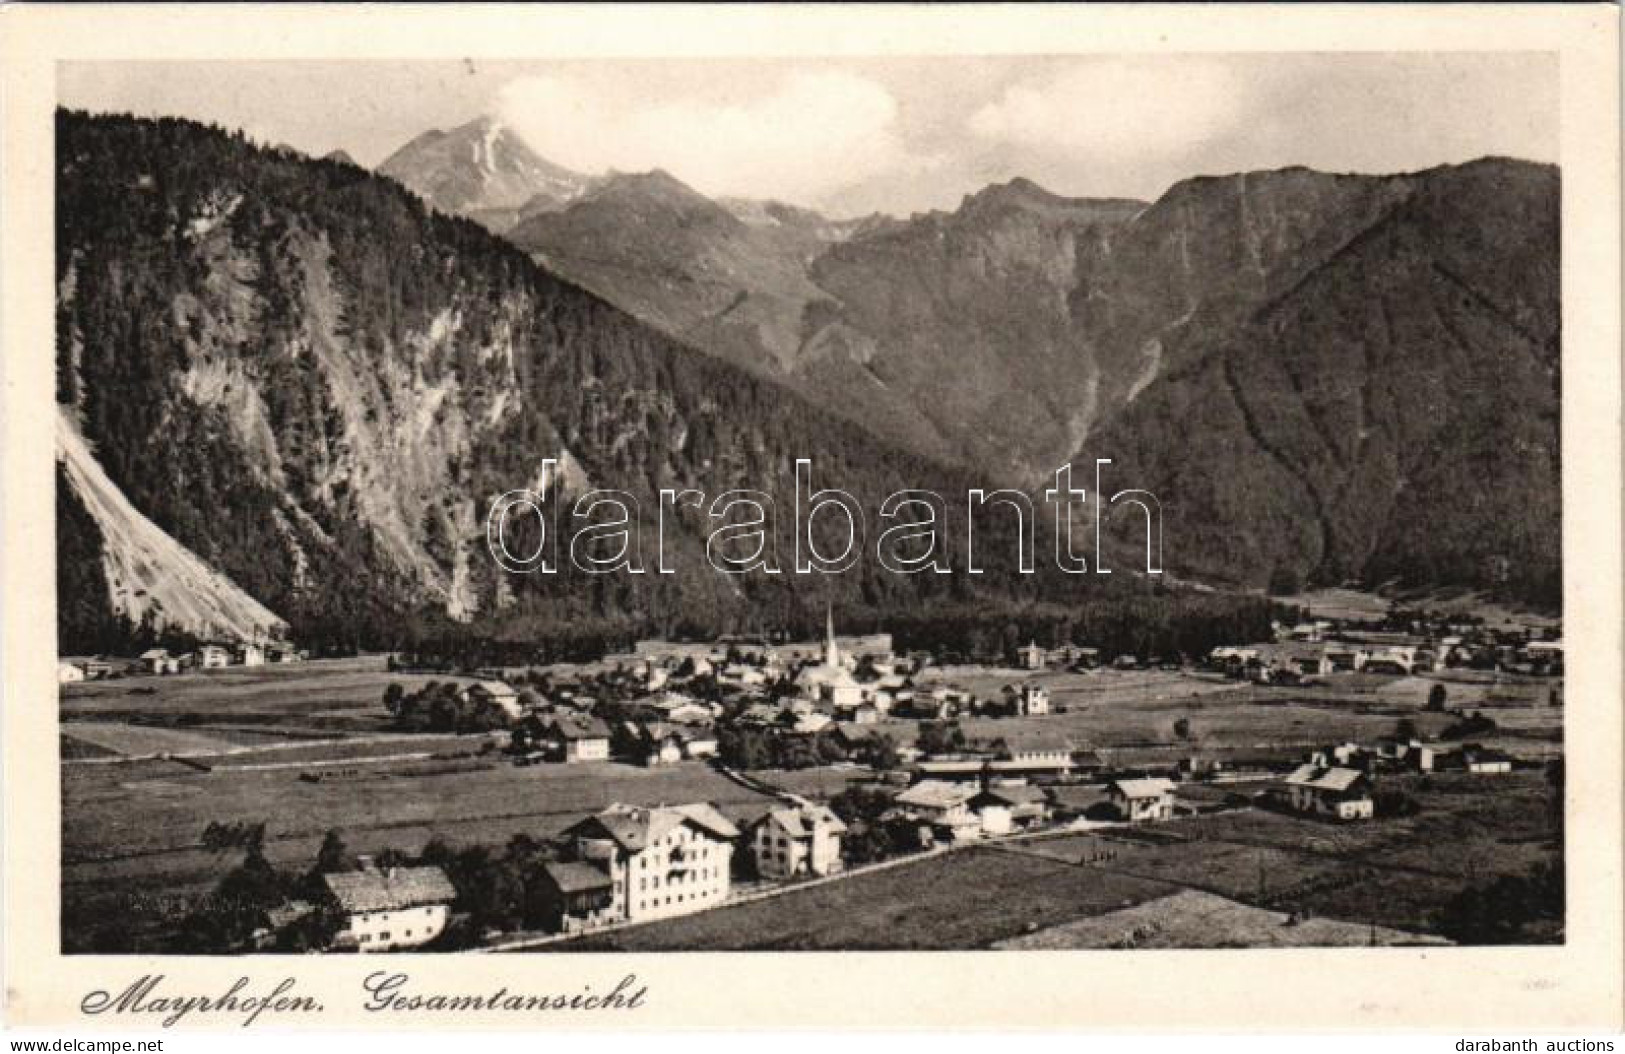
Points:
[(213, 656), (1341, 793), (1142, 799), (499, 695), (662, 860), (796, 842), (158, 660), (390, 908), (572, 737), (1006, 807), (1037, 751), (576, 896), (942, 807)]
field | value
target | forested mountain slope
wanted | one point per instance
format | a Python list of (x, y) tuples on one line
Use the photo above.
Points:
[(1391, 413), (317, 385)]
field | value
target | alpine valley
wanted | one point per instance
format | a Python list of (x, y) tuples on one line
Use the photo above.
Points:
[(289, 388)]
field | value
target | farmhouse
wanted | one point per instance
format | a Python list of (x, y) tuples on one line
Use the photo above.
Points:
[(1232, 660), (936, 801), (691, 713), (1142, 799), (1296, 657), (1485, 761), (213, 657), (95, 669), (698, 744), (158, 660), (1003, 808), (68, 673), (1395, 658), (1345, 658), (385, 909), (497, 695), (648, 743), (282, 652), (663, 861), (1031, 657), (863, 714), (1028, 700), (939, 704), (1337, 792), (571, 738), (248, 654), (790, 843), (1308, 631), (576, 896)]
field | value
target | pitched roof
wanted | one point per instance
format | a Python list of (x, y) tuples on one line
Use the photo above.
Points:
[(1143, 788), (634, 827), (500, 689), (394, 889), (802, 822), (1036, 742), (569, 726), (1320, 778), (1018, 795), (936, 794), (575, 877)]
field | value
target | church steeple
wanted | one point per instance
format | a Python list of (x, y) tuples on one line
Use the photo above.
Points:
[(832, 654)]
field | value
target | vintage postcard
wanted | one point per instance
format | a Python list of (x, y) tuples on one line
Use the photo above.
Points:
[(623, 517)]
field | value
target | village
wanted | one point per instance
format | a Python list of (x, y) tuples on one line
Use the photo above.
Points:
[(731, 776)]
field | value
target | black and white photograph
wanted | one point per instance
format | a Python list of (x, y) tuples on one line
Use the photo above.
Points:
[(1097, 500)]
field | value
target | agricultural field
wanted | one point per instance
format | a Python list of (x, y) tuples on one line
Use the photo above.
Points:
[(1357, 604), (823, 782), (247, 705), (1201, 920), (1136, 710), (1393, 872), (965, 899)]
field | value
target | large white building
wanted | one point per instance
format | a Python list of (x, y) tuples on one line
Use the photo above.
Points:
[(661, 861)]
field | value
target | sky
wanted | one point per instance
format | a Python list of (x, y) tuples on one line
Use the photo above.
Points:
[(889, 135)]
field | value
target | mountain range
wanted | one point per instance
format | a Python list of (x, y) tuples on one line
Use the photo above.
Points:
[(1019, 331), (1323, 378)]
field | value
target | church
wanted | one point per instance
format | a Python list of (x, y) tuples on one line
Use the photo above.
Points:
[(829, 682)]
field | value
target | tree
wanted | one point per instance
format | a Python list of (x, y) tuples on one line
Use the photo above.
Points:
[(938, 737), (393, 695), (1437, 697), (1285, 580), (238, 907), (1182, 728), (1405, 729), (332, 856), (881, 752)]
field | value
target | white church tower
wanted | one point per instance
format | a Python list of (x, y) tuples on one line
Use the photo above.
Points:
[(832, 653)]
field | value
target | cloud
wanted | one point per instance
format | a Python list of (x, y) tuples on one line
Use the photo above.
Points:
[(810, 134), (1119, 109)]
